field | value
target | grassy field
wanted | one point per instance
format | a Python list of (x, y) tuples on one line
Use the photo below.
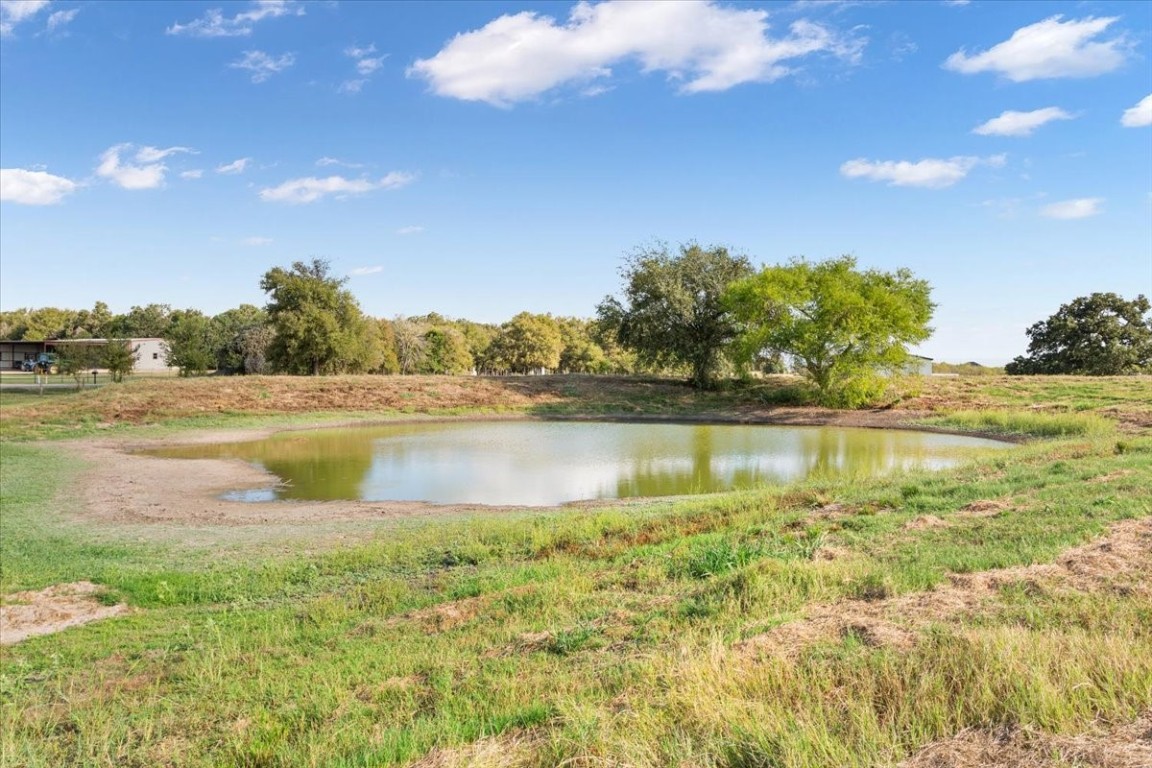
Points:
[(824, 624)]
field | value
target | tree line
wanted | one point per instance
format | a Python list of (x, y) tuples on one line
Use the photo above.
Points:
[(313, 325), (704, 313)]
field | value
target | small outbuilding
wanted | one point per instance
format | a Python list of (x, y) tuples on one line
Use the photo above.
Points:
[(918, 365)]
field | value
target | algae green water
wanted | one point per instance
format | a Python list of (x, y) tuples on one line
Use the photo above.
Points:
[(548, 463)]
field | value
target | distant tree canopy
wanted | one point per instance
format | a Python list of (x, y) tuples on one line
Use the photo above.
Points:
[(319, 326), (842, 326), (146, 322), (672, 313), (1097, 335)]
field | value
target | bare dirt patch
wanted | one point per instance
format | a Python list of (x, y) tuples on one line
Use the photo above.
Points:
[(1109, 477), (29, 614), (443, 617), (1118, 561), (512, 749), (1125, 746)]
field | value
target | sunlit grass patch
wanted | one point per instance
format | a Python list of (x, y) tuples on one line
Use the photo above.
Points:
[(1027, 423)]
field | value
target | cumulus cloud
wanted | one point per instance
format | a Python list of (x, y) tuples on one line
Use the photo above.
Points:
[(311, 189), (234, 167), (13, 12), (1080, 208), (931, 173), (1048, 49), (1012, 123), (358, 271), (261, 65), (1140, 115), (193, 174), (143, 171), (61, 19), (33, 187), (257, 241), (699, 45), (215, 24), (409, 230)]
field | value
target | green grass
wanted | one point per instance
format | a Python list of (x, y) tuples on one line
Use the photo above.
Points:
[(1026, 423), (602, 636)]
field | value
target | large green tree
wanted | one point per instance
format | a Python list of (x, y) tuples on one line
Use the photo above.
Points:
[(842, 326), (47, 323), (446, 351), (525, 344), (191, 342), (1097, 335), (230, 329), (119, 358), (672, 313), (318, 323)]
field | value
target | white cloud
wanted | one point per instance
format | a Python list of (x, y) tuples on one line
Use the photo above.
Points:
[(310, 189), (357, 52), (262, 66), (257, 241), (1011, 123), (234, 167), (144, 171), (13, 12), (154, 154), (1140, 115), (931, 173), (409, 230), (33, 187), (215, 24), (193, 174), (365, 271), (325, 161), (1080, 208), (61, 18), (366, 64), (1048, 49), (701, 46)]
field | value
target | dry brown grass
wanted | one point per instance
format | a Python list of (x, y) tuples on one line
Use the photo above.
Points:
[(1123, 746)]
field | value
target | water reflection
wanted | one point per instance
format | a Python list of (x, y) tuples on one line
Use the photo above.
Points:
[(533, 463)]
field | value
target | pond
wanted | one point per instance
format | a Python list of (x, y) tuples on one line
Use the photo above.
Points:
[(530, 463)]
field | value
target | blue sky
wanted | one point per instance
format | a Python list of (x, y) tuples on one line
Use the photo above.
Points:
[(480, 159)]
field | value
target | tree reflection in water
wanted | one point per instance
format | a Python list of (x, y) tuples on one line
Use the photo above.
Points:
[(546, 463)]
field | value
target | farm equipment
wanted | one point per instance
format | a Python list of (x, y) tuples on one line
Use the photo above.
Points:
[(45, 362)]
